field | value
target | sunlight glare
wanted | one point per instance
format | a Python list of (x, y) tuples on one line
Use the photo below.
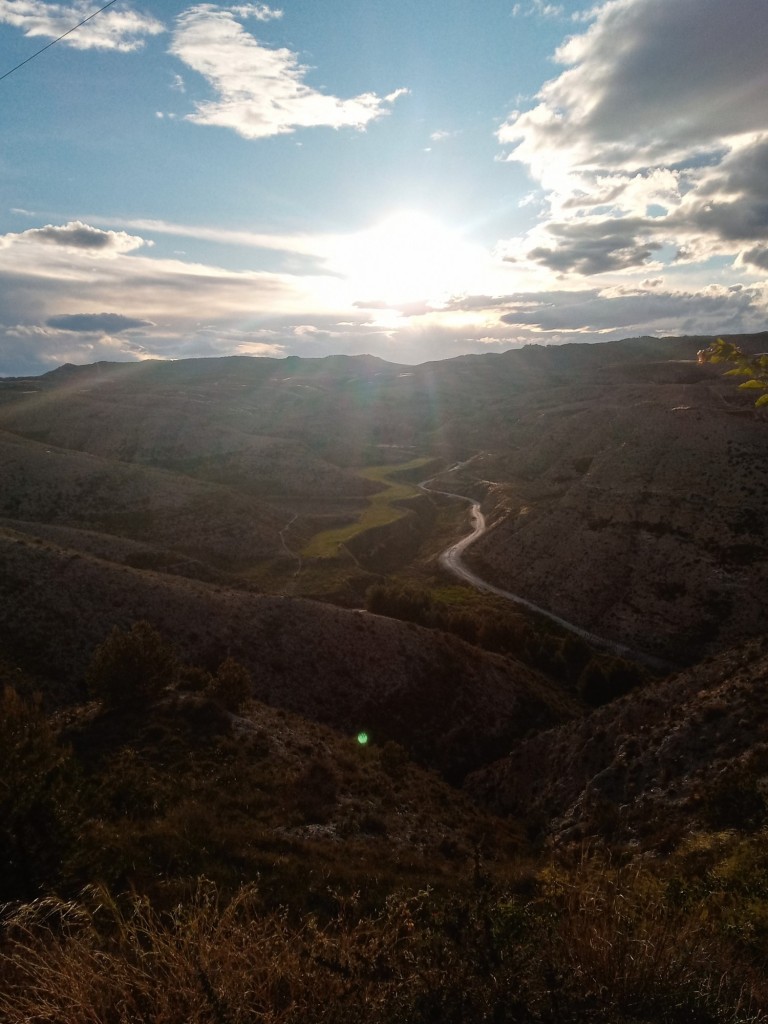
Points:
[(404, 258)]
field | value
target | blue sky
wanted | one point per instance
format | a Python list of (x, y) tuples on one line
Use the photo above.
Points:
[(413, 179)]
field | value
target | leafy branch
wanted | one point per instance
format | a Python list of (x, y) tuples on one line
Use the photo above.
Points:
[(753, 367)]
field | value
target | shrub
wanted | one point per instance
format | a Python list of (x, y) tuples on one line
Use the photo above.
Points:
[(37, 806), (232, 685), (132, 666)]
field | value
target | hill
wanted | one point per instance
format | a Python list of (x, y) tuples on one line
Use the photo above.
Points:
[(624, 484), (685, 755), (452, 705), (510, 840)]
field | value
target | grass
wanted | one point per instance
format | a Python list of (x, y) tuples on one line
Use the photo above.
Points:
[(591, 942), (382, 508)]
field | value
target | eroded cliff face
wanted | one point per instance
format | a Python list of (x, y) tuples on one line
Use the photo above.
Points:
[(638, 512)]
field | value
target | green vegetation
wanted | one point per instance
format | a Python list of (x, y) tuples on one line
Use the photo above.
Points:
[(490, 623), (755, 368), (382, 508)]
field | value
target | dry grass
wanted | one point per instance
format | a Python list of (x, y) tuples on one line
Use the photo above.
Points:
[(592, 945)]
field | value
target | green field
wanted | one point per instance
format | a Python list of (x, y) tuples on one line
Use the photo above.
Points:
[(382, 508)]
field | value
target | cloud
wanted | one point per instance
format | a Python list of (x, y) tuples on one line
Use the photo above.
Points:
[(594, 310), (651, 81), (56, 282), (77, 235), (261, 12), (123, 30), (301, 245), (758, 256), (539, 8), (654, 136), (100, 323), (260, 91), (443, 136), (587, 248)]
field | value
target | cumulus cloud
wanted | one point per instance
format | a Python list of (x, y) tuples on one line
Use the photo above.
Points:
[(116, 29), (260, 91), (654, 135), (101, 323), (77, 235)]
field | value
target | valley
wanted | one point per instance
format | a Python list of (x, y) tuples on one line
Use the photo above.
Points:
[(536, 581)]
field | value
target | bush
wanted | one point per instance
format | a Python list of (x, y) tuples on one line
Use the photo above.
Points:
[(232, 685), (132, 666)]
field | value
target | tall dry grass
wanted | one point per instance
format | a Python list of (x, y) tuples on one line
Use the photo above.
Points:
[(589, 944)]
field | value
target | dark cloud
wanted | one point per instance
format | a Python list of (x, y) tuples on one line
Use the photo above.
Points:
[(597, 247), (591, 311), (77, 235), (650, 77), (743, 219), (96, 323), (743, 171), (757, 257)]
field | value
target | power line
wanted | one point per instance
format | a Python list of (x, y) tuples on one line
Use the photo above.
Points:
[(58, 38)]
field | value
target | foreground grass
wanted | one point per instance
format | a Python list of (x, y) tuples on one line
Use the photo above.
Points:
[(589, 943), (382, 508)]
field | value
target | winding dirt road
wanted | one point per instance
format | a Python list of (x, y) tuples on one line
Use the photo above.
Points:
[(451, 560)]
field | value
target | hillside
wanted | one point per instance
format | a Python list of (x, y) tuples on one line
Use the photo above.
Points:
[(688, 754), (254, 805), (624, 483), (452, 705)]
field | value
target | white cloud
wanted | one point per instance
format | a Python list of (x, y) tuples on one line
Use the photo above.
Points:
[(442, 136), (260, 91), (539, 8), (653, 142), (651, 81), (261, 12), (115, 29)]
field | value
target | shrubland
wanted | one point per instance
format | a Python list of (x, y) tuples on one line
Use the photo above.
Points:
[(191, 855)]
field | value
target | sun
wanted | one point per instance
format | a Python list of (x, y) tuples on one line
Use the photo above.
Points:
[(405, 258)]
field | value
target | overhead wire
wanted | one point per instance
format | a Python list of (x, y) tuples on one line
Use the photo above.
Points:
[(58, 39)]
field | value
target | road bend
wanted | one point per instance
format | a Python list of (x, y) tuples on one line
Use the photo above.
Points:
[(451, 560)]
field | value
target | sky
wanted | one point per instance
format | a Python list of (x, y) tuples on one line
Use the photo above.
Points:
[(413, 179)]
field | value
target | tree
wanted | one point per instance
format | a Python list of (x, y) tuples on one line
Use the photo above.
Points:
[(753, 367)]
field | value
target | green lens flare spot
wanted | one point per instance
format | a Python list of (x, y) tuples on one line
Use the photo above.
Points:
[(362, 738)]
